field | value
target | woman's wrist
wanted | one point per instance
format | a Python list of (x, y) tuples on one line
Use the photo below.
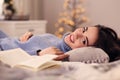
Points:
[(38, 52)]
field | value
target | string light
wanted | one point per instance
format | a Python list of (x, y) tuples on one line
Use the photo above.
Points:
[(71, 17)]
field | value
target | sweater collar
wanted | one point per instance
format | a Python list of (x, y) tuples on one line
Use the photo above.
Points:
[(63, 46)]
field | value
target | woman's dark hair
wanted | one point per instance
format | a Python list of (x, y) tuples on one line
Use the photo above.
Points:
[(108, 41)]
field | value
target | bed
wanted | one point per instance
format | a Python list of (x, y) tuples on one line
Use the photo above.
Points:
[(85, 64), (67, 71)]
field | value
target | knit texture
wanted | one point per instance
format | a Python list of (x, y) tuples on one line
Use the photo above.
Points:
[(62, 45), (38, 42)]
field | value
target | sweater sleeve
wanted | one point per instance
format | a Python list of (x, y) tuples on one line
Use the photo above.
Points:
[(2, 34)]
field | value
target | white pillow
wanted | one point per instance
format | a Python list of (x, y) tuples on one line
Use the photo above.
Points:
[(88, 55)]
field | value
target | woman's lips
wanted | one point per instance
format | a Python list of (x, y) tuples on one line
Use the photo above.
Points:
[(71, 38)]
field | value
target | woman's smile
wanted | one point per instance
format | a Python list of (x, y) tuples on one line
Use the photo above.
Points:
[(82, 37), (72, 38)]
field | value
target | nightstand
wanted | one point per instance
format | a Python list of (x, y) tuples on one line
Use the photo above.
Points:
[(18, 28)]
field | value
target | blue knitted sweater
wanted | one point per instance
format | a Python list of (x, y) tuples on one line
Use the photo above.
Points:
[(35, 43)]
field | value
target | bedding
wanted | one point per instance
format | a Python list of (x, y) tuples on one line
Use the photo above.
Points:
[(88, 55), (67, 71)]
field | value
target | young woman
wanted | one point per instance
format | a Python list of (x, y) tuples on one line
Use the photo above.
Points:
[(96, 36)]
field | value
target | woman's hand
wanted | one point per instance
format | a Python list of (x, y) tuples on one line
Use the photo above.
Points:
[(55, 51), (62, 57), (51, 50), (26, 36)]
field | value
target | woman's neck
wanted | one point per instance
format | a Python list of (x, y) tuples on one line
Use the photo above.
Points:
[(62, 45)]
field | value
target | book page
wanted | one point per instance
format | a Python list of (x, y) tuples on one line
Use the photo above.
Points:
[(38, 61), (19, 58), (46, 65), (14, 56), (50, 64)]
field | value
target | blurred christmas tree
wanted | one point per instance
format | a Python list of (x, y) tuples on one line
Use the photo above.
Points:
[(71, 18)]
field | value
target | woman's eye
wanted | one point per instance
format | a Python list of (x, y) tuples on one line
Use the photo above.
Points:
[(84, 42), (84, 29)]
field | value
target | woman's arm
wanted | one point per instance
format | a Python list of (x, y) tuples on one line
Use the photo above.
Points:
[(55, 51), (50, 50)]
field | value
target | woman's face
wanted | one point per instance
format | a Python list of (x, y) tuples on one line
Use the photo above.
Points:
[(82, 37)]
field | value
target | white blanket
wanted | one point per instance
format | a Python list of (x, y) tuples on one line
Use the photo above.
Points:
[(68, 71)]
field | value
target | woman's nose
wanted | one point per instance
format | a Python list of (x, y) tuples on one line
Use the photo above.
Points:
[(80, 35)]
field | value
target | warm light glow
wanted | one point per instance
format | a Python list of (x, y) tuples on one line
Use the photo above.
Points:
[(61, 29), (71, 17)]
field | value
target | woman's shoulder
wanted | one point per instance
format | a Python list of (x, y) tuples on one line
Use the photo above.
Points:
[(46, 35)]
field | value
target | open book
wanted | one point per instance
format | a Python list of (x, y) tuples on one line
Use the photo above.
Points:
[(19, 58)]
